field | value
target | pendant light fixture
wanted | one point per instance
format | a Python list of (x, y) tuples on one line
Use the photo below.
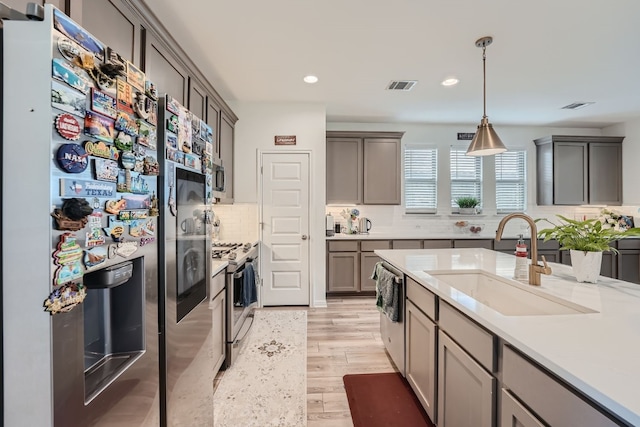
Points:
[(486, 141)]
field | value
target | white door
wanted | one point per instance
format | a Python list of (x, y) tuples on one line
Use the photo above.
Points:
[(285, 228)]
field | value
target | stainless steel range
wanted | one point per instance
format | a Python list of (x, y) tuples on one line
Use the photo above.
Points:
[(242, 282)]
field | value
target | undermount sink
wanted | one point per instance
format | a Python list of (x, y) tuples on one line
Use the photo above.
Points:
[(507, 297)]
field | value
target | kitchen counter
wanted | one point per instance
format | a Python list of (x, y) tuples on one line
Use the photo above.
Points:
[(217, 266), (418, 234), (597, 353)]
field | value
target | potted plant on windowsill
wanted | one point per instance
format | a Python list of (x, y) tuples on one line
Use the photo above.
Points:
[(586, 240), (467, 205)]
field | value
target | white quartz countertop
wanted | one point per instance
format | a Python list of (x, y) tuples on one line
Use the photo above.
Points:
[(597, 353), (217, 266), (419, 234)]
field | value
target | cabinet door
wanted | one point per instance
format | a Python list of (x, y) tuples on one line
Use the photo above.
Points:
[(197, 99), (217, 307), (605, 177), (368, 261), (466, 392), (226, 154), (213, 120), (344, 170), (163, 70), (570, 169), (629, 265), (550, 256), (513, 414), (114, 26), (382, 171), (421, 357), (344, 271)]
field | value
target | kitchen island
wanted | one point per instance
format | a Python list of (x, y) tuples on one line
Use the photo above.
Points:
[(594, 351)]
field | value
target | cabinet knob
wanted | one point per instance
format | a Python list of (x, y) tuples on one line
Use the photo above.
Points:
[(304, 237)]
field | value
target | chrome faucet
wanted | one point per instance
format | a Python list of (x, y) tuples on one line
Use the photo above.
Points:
[(534, 269)]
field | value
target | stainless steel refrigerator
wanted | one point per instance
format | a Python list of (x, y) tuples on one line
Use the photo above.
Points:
[(80, 279), (185, 186)]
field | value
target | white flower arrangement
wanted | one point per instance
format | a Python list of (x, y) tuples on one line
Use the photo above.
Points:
[(350, 214), (615, 220)]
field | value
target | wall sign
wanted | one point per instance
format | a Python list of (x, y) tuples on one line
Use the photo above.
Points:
[(465, 136), (285, 139)]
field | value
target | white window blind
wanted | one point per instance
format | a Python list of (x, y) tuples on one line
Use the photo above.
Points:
[(511, 181), (420, 179), (466, 175)]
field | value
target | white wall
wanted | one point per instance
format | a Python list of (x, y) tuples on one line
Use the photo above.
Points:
[(255, 130)]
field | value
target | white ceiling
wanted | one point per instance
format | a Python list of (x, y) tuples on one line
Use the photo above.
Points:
[(545, 54)]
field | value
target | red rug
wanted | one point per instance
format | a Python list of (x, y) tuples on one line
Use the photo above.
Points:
[(384, 400)]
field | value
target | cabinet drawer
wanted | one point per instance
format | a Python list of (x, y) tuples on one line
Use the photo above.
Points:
[(474, 339), (372, 245), (549, 399), (407, 244), (436, 244), (421, 298), (343, 246), (510, 244), (473, 243), (629, 244)]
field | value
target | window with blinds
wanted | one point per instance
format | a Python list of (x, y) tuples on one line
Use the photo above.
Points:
[(420, 179), (511, 181), (466, 175)]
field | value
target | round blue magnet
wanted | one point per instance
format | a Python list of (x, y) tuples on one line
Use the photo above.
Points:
[(72, 158)]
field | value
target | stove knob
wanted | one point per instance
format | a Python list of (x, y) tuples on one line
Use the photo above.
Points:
[(232, 256), (247, 246)]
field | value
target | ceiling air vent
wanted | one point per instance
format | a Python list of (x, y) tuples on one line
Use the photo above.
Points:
[(401, 85), (576, 105)]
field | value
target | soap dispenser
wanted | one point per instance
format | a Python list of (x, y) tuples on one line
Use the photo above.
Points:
[(521, 271)]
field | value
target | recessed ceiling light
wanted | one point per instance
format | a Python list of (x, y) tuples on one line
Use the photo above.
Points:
[(310, 79), (450, 81)]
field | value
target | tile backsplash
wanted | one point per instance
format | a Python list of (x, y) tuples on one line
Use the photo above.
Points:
[(392, 219), (238, 222)]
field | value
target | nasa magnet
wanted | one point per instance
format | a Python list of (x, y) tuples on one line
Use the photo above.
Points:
[(72, 158)]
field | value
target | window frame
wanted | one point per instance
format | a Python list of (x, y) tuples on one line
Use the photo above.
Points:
[(479, 180), (432, 180), (521, 181)]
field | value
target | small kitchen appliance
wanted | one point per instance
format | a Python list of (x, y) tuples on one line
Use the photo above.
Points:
[(329, 225), (364, 225)]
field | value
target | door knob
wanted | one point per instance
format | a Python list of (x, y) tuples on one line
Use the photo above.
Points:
[(304, 237)]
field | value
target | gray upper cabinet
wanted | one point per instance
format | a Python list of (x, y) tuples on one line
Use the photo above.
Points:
[(226, 154), (364, 167), (213, 120), (114, 25), (579, 170), (382, 171), (344, 170), (197, 99), (162, 69)]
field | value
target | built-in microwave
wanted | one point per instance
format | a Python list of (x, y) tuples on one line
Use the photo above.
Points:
[(218, 178)]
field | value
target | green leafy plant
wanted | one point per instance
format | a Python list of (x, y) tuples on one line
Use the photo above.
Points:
[(467, 202), (590, 235)]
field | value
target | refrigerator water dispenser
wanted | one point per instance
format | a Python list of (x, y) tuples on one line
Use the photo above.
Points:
[(113, 323)]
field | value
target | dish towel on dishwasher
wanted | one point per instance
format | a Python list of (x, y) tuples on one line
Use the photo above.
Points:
[(387, 292), (249, 291)]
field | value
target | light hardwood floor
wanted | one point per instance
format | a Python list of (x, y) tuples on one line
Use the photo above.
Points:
[(343, 338)]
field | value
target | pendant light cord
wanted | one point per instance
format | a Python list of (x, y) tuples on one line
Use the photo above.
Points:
[(484, 82)]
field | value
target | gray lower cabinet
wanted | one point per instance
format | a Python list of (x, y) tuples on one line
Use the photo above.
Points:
[(421, 338), (513, 414), (437, 244), (466, 392), (368, 261), (406, 244), (344, 271), (218, 314), (552, 402), (473, 243)]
